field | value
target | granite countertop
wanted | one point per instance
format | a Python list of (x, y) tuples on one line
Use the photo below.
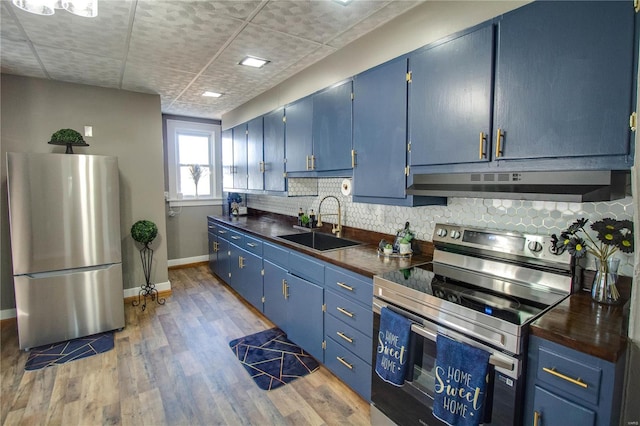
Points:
[(582, 324), (362, 259), (577, 322)]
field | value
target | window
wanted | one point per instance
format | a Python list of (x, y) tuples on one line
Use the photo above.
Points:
[(192, 151)]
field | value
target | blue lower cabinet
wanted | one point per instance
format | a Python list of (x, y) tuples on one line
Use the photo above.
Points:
[(304, 315), (222, 262), (554, 410), (349, 368), (348, 337), (246, 275), (275, 304)]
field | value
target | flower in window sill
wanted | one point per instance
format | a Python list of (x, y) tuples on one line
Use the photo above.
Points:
[(612, 235)]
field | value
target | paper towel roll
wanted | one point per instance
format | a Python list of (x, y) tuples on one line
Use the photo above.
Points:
[(345, 188)]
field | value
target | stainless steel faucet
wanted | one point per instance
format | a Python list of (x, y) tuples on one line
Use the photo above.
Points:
[(337, 228)]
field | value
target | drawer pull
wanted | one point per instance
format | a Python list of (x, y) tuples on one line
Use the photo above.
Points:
[(251, 244), (345, 363), (222, 232), (344, 336), (212, 227), (553, 372), (343, 285), (344, 311), (536, 418), (235, 237)]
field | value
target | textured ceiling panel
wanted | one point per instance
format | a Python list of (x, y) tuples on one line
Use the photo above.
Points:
[(383, 15), (16, 58), (80, 67), (181, 48), (104, 35), (190, 34), (319, 21)]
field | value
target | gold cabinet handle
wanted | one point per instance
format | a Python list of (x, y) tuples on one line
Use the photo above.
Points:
[(499, 137), (577, 381), (261, 164), (482, 153), (344, 311), (345, 363), (286, 290), (240, 262), (353, 158), (307, 165), (216, 247), (344, 336), (313, 162), (536, 418), (283, 284), (343, 285)]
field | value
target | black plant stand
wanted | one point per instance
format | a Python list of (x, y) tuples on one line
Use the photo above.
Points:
[(148, 288)]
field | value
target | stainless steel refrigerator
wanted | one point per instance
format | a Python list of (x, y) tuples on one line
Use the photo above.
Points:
[(65, 242)]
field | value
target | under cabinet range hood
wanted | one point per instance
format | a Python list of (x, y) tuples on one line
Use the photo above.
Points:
[(568, 186)]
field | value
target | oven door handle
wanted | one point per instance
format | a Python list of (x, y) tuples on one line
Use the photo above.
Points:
[(493, 359)]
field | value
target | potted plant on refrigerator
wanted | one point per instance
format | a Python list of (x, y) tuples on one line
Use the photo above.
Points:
[(144, 232), (68, 137)]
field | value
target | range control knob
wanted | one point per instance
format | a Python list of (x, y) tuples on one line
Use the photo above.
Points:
[(441, 232), (455, 234), (534, 246)]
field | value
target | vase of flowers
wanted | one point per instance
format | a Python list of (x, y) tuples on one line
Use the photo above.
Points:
[(611, 235)]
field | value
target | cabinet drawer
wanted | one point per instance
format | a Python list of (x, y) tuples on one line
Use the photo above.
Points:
[(569, 373), (223, 232), (349, 284), (349, 368), (350, 312), (252, 245), (211, 226), (236, 237), (306, 267), (557, 411), (276, 254), (348, 337)]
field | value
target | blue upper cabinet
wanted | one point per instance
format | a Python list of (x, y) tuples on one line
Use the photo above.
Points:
[(240, 156), (298, 135), (273, 165), (332, 124), (564, 84), (380, 131), (227, 159), (450, 94), (255, 157)]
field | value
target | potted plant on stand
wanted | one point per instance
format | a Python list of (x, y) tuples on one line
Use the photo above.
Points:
[(144, 232)]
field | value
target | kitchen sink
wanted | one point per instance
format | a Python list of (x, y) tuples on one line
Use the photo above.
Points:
[(319, 241)]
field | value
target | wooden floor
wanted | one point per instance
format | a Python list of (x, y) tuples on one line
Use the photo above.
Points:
[(171, 366)]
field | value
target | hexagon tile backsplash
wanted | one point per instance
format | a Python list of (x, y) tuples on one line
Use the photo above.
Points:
[(534, 217)]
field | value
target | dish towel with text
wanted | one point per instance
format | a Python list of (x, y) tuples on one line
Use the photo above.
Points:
[(393, 347), (460, 382)]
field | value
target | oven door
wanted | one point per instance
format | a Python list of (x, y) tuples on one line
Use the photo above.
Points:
[(412, 404)]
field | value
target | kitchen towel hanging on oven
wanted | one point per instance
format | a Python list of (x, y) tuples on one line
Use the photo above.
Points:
[(460, 382), (393, 345)]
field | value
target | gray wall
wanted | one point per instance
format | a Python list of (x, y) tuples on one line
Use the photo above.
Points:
[(125, 124), (186, 236)]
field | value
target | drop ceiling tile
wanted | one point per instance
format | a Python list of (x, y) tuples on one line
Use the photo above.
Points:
[(80, 67), (149, 79), (9, 28), (16, 57), (193, 110), (104, 35), (280, 49), (312, 58), (180, 35), (234, 8), (318, 20), (380, 17)]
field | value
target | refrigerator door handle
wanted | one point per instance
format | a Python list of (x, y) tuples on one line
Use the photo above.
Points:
[(49, 274)]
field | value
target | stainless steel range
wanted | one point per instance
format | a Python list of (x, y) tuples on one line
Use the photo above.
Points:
[(483, 288)]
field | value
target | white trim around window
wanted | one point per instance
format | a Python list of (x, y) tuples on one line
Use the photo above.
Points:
[(174, 129)]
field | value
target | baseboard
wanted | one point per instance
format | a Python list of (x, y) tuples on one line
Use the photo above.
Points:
[(187, 260), (8, 313), (164, 289)]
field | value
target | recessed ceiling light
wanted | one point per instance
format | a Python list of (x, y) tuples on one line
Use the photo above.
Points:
[(212, 94), (252, 61)]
